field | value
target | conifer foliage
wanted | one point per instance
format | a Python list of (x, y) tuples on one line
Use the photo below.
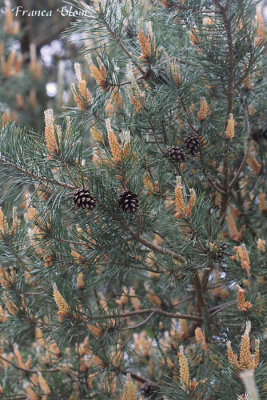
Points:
[(133, 256)]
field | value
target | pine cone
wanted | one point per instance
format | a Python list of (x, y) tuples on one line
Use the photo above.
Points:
[(176, 154), (192, 143), (220, 252), (128, 201), (148, 389), (83, 198)]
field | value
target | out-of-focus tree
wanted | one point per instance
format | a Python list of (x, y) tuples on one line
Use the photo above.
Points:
[(35, 59)]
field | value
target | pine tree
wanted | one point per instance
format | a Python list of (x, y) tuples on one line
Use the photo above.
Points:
[(128, 272)]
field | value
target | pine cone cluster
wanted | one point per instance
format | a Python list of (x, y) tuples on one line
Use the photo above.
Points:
[(83, 198), (192, 143), (128, 202)]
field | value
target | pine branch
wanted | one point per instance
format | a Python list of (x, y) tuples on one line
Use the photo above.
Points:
[(35, 177), (118, 40), (139, 238)]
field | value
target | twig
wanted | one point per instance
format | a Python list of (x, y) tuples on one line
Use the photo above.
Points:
[(70, 241), (218, 309), (68, 171), (29, 371), (156, 138), (212, 180), (154, 247), (230, 95), (119, 84), (140, 324), (182, 175), (246, 145), (165, 136), (139, 378), (140, 268), (162, 237), (33, 294), (195, 234), (200, 295), (187, 115), (150, 310)]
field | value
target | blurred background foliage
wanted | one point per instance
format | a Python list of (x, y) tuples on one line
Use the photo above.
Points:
[(36, 60)]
